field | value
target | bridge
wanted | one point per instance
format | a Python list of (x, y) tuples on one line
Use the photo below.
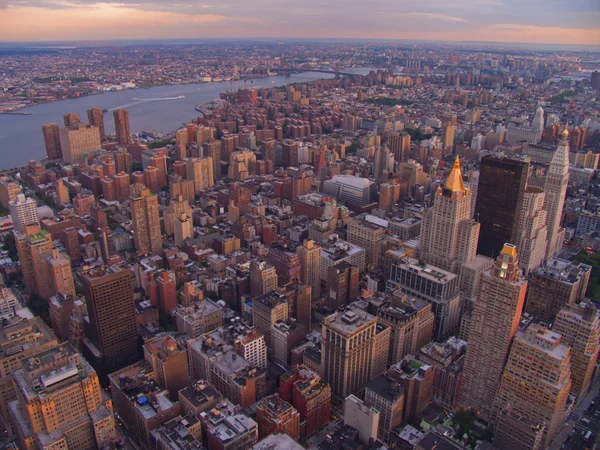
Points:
[(289, 70)]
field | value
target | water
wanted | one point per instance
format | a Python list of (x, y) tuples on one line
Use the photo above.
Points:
[(162, 108)]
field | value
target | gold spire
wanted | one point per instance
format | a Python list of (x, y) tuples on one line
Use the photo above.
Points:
[(509, 250), (454, 182), (565, 132)]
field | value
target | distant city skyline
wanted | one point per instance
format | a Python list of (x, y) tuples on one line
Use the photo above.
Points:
[(455, 20)]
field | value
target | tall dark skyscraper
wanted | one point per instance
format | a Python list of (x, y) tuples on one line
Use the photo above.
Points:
[(122, 131), (52, 141), (112, 335), (96, 119), (500, 193), (595, 80)]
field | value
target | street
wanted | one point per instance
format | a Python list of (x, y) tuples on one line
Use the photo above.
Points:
[(333, 426), (583, 420)]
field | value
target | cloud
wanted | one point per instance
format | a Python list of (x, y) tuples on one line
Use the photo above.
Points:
[(435, 16), (435, 19)]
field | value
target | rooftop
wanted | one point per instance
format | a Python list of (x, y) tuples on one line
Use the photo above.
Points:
[(277, 441), (274, 405), (386, 387), (562, 270), (19, 335), (271, 300), (200, 393), (348, 320), (51, 370), (428, 271), (176, 432)]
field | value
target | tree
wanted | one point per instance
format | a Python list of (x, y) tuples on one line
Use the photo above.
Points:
[(39, 307), (10, 246), (593, 289)]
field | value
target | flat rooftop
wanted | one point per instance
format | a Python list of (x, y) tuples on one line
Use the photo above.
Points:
[(277, 441), (562, 270), (348, 320), (428, 271)]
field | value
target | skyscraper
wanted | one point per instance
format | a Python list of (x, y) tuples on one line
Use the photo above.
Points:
[(122, 130), (495, 321), (448, 138), (310, 266), (183, 229), (52, 141), (537, 379), (434, 285), (71, 119), (289, 151), (516, 431), (533, 231), (381, 162), (499, 202), (411, 325), (267, 310), (449, 237), (201, 171), (554, 285), (354, 191), (399, 145), (342, 285), (112, 335), (33, 247), (521, 131), (579, 326), (286, 263), (389, 194), (354, 350), (595, 80), (96, 119), (263, 278), (60, 403), (9, 190), (23, 212), (77, 140), (59, 275), (146, 222), (27, 337), (309, 395), (177, 206), (556, 189), (368, 236), (274, 414)]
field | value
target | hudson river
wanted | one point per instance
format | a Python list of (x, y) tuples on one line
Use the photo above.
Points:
[(157, 108)]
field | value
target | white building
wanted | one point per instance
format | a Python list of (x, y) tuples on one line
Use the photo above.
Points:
[(336, 251), (521, 131), (23, 212), (350, 189), (534, 233), (557, 181), (362, 417), (8, 303)]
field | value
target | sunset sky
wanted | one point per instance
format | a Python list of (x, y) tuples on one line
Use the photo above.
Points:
[(539, 21)]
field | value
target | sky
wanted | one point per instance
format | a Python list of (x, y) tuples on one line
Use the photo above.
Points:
[(535, 21)]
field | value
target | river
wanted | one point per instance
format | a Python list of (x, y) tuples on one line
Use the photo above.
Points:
[(157, 108)]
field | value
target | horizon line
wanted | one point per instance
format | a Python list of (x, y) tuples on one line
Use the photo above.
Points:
[(314, 39)]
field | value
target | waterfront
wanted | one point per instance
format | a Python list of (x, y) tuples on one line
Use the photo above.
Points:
[(163, 108)]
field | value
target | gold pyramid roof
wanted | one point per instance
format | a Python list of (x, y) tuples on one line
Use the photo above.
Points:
[(455, 182)]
